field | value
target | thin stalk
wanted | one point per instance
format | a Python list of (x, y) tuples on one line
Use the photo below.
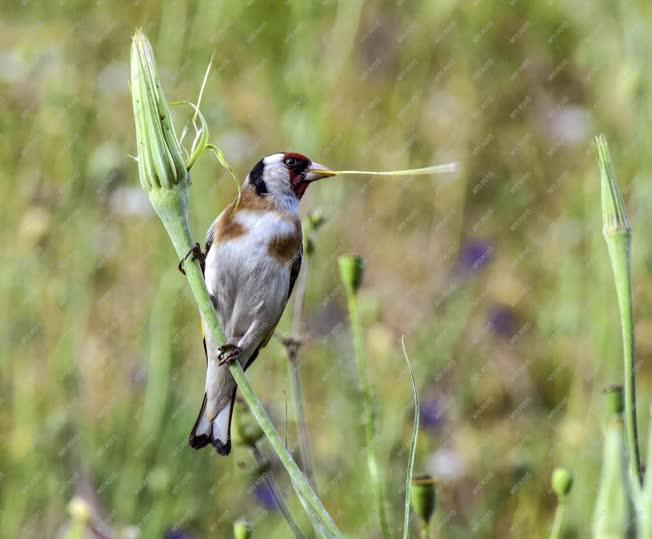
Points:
[(644, 502), (618, 236), (619, 246), (558, 521), (369, 414), (170, 204), (272, 485), (425, 530), (292, 349)]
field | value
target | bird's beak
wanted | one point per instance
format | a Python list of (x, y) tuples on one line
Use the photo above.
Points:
[(317, 172)]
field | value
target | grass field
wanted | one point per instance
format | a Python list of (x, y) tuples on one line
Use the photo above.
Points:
[(497, 275)]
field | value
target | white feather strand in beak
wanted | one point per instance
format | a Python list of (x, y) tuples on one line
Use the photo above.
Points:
[(434, 169)]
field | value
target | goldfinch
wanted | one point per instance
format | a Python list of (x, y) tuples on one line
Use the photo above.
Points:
[(253, 256)]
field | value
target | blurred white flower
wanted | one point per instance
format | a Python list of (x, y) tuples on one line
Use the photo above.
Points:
[(111, 80), (130, 201), (445, 465)]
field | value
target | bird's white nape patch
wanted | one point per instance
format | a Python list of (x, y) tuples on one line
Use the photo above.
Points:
[(273, 158)]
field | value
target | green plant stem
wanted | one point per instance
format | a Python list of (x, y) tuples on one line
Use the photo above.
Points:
[(369, 415), (619, 246), (558, 521), (425, 530), (270, 481), (171, 207), (295, 376)]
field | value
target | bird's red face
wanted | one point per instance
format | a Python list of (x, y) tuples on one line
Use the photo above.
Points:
[(286, 174)]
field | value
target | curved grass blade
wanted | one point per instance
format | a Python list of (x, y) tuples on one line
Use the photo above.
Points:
[(413, 446)]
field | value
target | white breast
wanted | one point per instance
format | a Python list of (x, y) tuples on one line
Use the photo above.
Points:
[(246, 281)]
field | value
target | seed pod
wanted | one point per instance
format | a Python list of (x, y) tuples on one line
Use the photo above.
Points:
[(242, 529), (423, 496), (351, 272), (562, 482), (614, 399)]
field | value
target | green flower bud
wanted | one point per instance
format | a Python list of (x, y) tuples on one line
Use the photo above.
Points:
[(562, 482), (315, 220), (246, 429), (422, 496), (351, 272), (615, 399), (160, 161), (242, 529)]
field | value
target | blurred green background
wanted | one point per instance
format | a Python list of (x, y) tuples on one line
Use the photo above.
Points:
[(497, 275)]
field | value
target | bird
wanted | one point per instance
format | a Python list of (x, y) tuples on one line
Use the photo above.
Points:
[(252, 258)]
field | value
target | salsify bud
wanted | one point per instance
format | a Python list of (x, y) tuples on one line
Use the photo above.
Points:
[(562, 482), (351, 272), (614, 213), (160, 161), (242, 529), (423, 496), (614, 398)]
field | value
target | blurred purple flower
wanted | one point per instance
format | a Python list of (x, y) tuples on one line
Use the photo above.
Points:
[(264, 496), (475, 255), (177, 533), (431, 415), (502, 320)]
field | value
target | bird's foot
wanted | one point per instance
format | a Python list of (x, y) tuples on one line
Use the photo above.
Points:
[(228, 353), (197, 254)]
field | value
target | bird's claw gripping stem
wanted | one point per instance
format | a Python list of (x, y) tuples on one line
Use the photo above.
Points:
[(197, 254), (228, 354)]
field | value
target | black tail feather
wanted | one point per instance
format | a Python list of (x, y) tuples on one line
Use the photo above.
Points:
[(197, 442), (202, 440)]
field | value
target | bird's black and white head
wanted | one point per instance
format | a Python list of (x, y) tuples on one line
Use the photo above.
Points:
[(285, 175)]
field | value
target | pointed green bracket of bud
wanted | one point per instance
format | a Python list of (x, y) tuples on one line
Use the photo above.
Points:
[(351, 272), (618, 235), (164, 176), (242, 529), (423, 497), (562, 482), (614, 213)]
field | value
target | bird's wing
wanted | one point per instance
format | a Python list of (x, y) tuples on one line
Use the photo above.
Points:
[(294, 273), (294, 270)]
